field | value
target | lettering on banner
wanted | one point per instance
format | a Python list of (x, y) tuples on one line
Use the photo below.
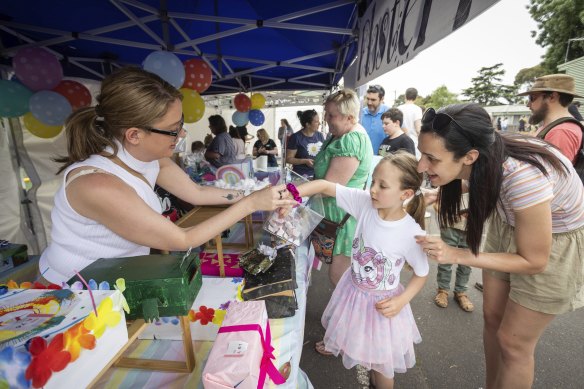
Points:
[(394, 31)]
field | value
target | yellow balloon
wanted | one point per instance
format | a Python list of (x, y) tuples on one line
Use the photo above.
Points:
[(37, 128), (257, 101), (193, 105)]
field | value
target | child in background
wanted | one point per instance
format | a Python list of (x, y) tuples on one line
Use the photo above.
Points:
[(368, 319)]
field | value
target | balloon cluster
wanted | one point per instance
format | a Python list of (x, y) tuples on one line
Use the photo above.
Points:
[(248, 109), (39, 93), (192, 78)]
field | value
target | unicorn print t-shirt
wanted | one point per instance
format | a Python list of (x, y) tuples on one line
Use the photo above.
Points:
[(380, 247)]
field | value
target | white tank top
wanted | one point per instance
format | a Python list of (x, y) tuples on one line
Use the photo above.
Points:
[(77, 241)]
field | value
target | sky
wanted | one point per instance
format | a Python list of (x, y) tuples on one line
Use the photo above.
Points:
[(500, 34)]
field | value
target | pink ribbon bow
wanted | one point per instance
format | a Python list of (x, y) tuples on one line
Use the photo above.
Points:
[(266, 366)]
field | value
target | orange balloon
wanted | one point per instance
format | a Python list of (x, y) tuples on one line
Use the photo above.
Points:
[(198, 75), (76, 93)]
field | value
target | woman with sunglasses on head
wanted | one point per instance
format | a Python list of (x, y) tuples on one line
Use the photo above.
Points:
[(117, 151), (533, 267), (303, 145)]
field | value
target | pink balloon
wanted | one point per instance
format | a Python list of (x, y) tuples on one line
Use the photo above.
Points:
[(198, 75), (37, 68), (77, 94)]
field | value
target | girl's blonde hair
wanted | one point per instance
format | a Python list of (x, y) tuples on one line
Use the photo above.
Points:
[(347, 102), (409, 179), (263, 135), (129, 97)]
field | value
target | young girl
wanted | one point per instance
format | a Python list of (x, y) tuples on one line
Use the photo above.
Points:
[(368, 319)]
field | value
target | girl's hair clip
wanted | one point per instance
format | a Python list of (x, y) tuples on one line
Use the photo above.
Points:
[(418, 192)]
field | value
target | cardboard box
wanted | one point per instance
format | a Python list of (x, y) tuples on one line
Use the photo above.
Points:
[(12, 255), (156, 285)]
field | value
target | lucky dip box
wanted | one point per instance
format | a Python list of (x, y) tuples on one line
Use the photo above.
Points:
[(156, 285)]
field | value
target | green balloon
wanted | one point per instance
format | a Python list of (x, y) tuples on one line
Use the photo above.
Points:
[(13, 99)]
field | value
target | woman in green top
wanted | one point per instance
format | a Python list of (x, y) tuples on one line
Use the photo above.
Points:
[(345, 158)]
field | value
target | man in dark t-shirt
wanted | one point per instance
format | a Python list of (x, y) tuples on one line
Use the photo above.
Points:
[(396, 139)]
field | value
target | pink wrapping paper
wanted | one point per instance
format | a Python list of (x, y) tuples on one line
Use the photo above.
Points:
[(241, 354), (210, 264)]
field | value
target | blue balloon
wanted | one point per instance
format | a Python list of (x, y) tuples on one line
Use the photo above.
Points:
[(50, 108), (167, 66), (240, 118), (14, 99), (256, 117)]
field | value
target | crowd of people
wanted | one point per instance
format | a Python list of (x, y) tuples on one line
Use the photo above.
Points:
[(522, 192)]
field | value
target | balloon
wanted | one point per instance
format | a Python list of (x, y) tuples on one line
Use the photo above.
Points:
[(240, 118), (257, 101), (39, 129), (76, 93), (50, 107), (197, 75), (167, 66), (193, 105), (14, 99), (256, 117), (242, 102), (37, 68)]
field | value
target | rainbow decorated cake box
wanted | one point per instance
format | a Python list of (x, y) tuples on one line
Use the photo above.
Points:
[(156, 285)]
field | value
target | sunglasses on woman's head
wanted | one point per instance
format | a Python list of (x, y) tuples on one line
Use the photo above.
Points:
[(440, 121)]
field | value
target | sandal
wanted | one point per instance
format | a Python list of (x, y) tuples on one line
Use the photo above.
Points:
[(462, 299), (441, 298), (319, 347)]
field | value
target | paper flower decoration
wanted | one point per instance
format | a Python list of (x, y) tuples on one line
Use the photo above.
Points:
[(219, 316), (204, 315), (106, 317), (121, 286), (14, 364), (46, 360), (76, 338)]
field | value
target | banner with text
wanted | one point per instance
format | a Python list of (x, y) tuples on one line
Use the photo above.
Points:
[(392, 32)]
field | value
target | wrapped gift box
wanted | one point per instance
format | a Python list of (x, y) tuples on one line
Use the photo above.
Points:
[(211, 266), (156, 285), (242, 342)]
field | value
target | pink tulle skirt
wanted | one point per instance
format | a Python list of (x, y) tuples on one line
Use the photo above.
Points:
[(364, 336)]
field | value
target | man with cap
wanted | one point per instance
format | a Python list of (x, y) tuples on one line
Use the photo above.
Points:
[(548, 100)]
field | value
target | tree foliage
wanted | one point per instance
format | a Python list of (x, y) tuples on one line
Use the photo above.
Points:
[(440, 97), (558, 21), (487, 88), (526, 76)]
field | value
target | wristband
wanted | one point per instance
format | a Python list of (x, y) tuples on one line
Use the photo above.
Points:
[(294, 192)]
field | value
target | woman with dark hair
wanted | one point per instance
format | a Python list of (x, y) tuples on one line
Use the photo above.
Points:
[(285, 130), (305, 144), (222, 150), (533, 267), (237, 142)]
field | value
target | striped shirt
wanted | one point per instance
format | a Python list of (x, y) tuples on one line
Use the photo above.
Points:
[(524, 186)]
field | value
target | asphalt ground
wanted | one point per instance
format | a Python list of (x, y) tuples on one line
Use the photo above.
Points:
[(451, 352)]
